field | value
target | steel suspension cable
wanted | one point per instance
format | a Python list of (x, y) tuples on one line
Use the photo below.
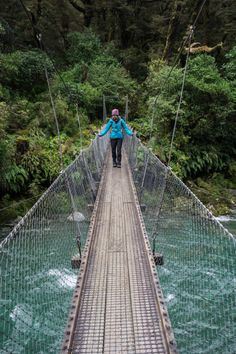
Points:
[(115, 97), (126, 108), (154, 230), (79, 124), (199, 12), (104, 113), (174, 65), (20, 202), (38, 36), (41, 45), (165, 83), (74, 209), (180, 99), (55, 118), (188, 39)]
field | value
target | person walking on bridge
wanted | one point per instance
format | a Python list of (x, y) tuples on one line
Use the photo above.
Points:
[(117, 124)]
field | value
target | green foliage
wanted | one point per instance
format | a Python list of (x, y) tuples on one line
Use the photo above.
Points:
[(204, 140), (13, 207), (38, 163), (4, 93), (105, 75), (29, 150), (3, 116), (13, 176), (200, 160), (18, 114), (83, 47), (41, 160), (204, 75), (40, 115), (24, 70), (232, 174), (6, 36), (110, 77), (214, 192), (230, 66)]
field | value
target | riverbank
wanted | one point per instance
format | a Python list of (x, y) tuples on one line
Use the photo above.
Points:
[(213, 192), (229, 222), (12, 210), (216, 193)]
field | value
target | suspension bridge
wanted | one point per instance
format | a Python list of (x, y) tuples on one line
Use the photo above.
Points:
[(114, 303), (83, 272)]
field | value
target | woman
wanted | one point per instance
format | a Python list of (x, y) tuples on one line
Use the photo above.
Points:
[(116, 123)]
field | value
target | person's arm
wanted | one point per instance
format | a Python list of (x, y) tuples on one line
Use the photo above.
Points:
[(125, 126), (105, 130)]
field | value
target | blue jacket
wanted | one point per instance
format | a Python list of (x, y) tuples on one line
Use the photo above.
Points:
[(116, 129)]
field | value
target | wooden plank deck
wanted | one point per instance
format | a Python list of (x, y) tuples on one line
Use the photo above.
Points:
[(118, 304)]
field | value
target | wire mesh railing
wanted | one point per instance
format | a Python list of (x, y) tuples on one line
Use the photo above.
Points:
[(199, 273), (36, 279)]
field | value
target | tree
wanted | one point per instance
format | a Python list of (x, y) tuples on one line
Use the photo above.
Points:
[(24, 70), (83, 47), (204, 140), (230, 65), (93, 72)]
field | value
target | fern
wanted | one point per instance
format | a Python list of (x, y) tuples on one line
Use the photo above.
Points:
[(14, 178)]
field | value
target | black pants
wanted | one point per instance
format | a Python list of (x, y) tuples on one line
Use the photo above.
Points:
[(116, 145)]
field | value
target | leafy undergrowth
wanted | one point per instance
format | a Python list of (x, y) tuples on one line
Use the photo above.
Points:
[(216, 192)]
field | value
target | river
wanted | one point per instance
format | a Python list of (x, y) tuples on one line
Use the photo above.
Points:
[(229, 223), (27, 321)]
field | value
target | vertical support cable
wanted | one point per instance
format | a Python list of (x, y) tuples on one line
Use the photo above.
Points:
[(55, 118), (181, 97), (154, 230), (152, 119), (189, 37), (126, 108), (104, 114), (89, 176), (144, 177), (74, 209), (80, 131)]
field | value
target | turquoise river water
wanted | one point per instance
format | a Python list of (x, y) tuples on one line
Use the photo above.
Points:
[(27, 323)]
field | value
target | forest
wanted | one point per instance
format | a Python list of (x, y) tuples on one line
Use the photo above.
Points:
[(116, 48)]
